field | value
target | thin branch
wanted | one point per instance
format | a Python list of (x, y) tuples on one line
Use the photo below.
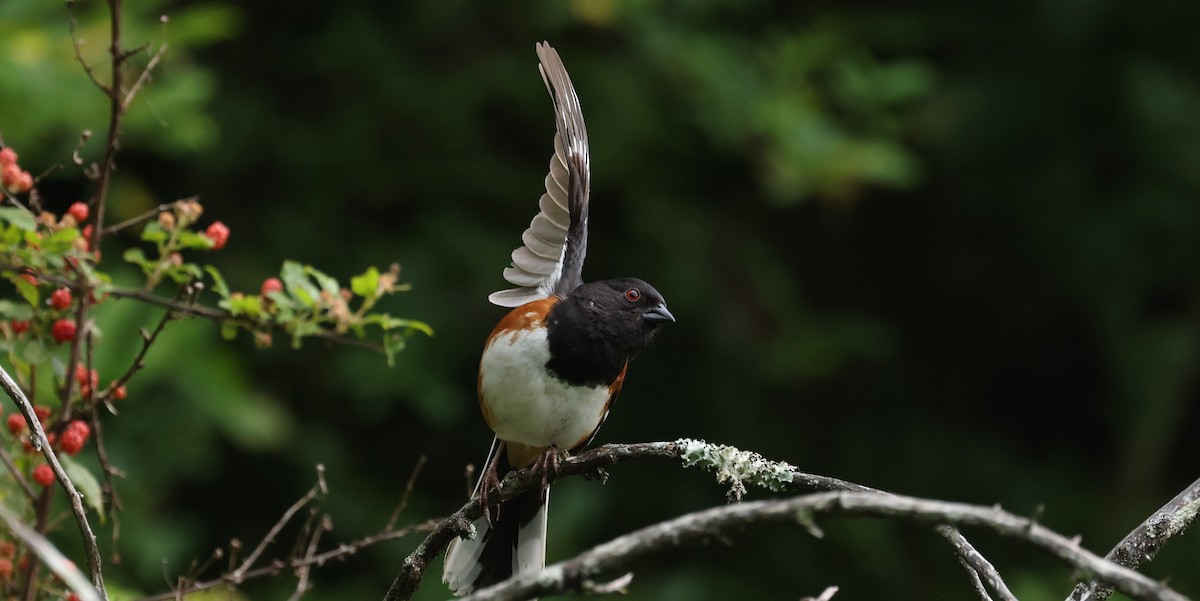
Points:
[(624, 551), (16, 474), (152, 213), (221, 316), (145, 76), (40, 441), (726, 461), (302, 573), (341, 552), (318, 489), (408, 490), (979, 569), (1145, 541), (148, 339), (79, 52)]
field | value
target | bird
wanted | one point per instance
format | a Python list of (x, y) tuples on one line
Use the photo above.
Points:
[(553, 365)]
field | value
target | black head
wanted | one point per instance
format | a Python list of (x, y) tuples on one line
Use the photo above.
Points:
[(599, 326), (628, 310)]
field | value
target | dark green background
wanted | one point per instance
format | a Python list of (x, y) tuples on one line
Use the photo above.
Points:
[(948, 250)]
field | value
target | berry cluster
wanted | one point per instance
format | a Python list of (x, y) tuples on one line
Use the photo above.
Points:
[(12, 177)]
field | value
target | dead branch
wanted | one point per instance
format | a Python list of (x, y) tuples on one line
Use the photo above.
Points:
[(1145, 541), (717, 523)]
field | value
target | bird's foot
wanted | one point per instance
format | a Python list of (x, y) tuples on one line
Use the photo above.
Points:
[(490, 483), (547, 464)]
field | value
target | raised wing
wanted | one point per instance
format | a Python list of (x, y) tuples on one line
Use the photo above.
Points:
[(550, 259)]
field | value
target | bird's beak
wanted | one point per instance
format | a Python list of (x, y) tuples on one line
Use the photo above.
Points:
[(659, 314)]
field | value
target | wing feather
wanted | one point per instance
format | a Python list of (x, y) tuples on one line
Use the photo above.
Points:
[(550, 261)]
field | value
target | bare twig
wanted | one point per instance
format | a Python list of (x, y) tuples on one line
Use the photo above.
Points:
[(40, 441), (408, 490), (148, 338), (145, 76), (79, 52), (310, 551), (622, 552), (319, 489), (979, 569), (152, 213), (1145, 541), (16, 474)]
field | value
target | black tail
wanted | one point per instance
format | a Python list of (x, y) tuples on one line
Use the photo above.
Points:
[(514, 543)]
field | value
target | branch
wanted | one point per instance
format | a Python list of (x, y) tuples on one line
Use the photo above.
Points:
[(738, 468), (299, 562), (40, 442), (718, 522), (1145, 541)]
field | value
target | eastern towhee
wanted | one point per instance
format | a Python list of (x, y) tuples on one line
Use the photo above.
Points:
[(552, 367)]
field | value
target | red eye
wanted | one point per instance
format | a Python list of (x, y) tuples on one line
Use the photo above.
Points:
[(632, 295)]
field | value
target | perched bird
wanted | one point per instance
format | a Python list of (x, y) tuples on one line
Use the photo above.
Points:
[(553, 365)]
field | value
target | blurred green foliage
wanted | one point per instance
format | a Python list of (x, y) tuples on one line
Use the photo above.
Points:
[(945, 249)]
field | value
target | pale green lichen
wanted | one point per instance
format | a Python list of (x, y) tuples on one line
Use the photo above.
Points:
[(1181, 519), (736, 467)]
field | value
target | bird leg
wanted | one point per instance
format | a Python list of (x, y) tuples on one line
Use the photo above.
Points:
[(547, 463), (489, 482)]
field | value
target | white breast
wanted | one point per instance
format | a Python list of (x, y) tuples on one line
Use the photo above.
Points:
[(526, 403)]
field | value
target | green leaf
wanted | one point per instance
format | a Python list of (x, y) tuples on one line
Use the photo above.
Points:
[(229, 329), (250, 306), (328, 284), (85, 482), (60, 241), (21, 218), (367, 284), (135, 256), (12, 310), (185, 273), (154, 233), (297, 283), (194, 240), (387, 322), (28, 291), (219, 285)]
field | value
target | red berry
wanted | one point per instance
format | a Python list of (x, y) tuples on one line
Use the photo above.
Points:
[(24, 183), (79, 211), (20, 326), (218, 233), (271, 285), (63, 330), (28, 277), (73, 597), (60, 299), (8, 550), (119, 392), (8, 157), (43, 475), (81, 427), (9, 175), (86, 377), (42, 412), (86, 233), (72, 441), (16, 423), (6, 566)]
